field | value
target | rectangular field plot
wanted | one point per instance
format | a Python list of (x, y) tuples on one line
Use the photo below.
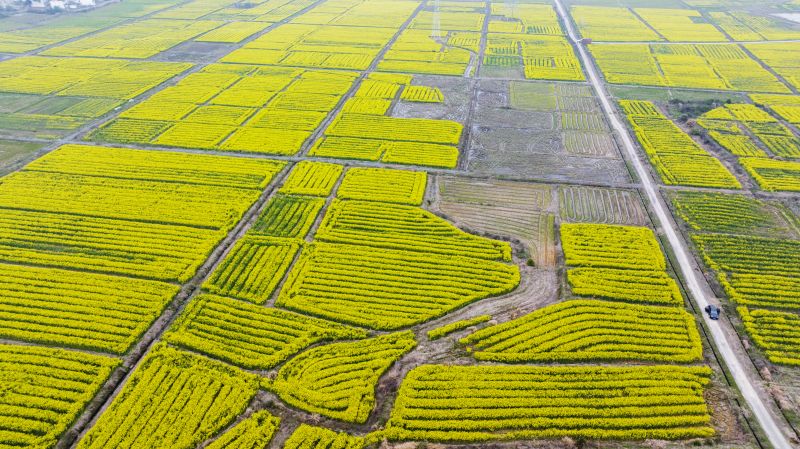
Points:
[(614, 24), (781, 57), (306, 436), (599, 205), (44, 391), (705, 66), (51, 97), (383, 184), (288, 216), (253, 268), (570, 332), (777, 333), (233, 108), (489, 403), (77, 309), (545, 57), (754, 271), (542, 131), (622, 263), (144, 214), (548, 131), (772, 174), (194, 397), (676, 158), (138, 40), (513, 209), (733, 214)]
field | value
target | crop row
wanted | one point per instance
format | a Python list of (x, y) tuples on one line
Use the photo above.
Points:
[(456, 326), (611, 246), (582, 330), (617, 263), (338, 380), (250, 336), (641, 286), (253, 432), (422, 94), (600, 205), (310, 437)]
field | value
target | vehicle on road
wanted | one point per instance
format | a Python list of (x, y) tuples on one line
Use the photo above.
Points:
[(712, 311)]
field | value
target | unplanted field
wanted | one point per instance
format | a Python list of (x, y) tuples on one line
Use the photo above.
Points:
[(538, 130), (510, 209), (600, 205)]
